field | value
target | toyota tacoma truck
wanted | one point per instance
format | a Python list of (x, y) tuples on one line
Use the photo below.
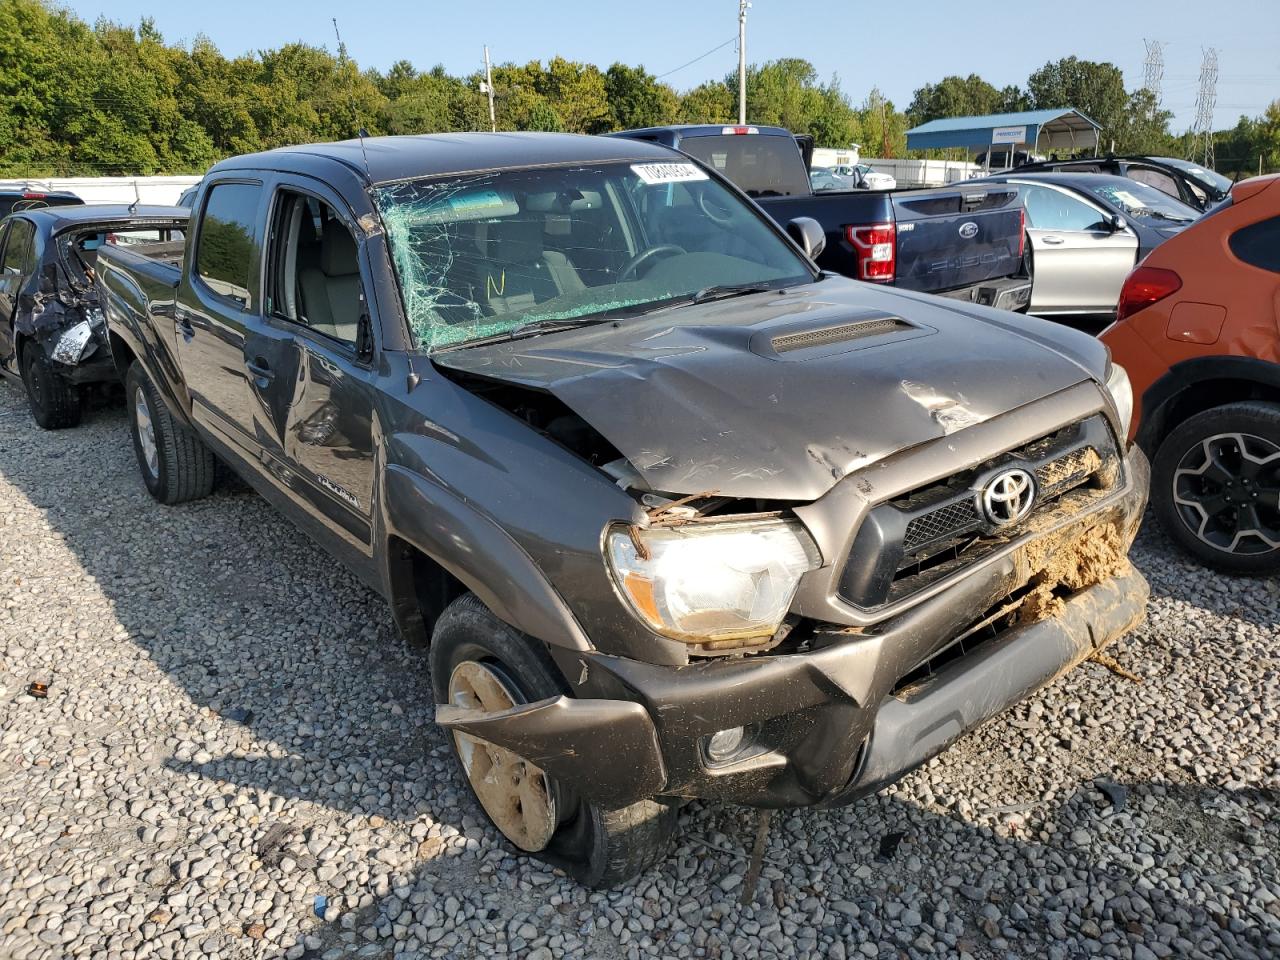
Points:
[(965, 241), (675, 514)]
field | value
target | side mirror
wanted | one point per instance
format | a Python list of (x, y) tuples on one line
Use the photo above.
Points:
[(808, 232), (1117, 223)]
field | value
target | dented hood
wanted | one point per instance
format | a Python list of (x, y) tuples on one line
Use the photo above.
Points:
[(779, 395)]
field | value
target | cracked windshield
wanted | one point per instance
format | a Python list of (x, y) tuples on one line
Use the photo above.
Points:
[(512, 253)]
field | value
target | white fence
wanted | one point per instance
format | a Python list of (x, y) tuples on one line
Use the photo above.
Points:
[(157, 190), (925, 173)]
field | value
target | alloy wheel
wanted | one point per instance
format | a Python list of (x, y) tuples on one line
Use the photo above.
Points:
[(515, 794), (1226, 490), (146, 432)]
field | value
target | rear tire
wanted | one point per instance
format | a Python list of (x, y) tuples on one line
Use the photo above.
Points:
[(54, 401), (1215, 487), (596, 846), (175, 464)]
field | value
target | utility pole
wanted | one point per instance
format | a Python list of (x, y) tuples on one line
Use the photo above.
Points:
[(743, 7), (488, 88)]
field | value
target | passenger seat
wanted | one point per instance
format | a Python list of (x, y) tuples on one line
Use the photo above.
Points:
[(331, 290)]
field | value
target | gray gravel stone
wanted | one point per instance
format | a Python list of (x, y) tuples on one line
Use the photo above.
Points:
[(212, 674)]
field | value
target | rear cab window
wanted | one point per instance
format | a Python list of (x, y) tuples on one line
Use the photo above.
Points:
[(227, 246), (758, 164)]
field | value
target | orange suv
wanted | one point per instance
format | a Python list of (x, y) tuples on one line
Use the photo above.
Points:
[(1198, 329)]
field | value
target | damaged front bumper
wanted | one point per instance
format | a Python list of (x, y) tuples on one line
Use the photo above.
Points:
[(853, 712)]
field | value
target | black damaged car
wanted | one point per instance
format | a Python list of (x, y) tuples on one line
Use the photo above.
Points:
[(52, 334)]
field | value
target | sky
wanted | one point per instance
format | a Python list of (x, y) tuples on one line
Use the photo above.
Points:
[(897, 47)]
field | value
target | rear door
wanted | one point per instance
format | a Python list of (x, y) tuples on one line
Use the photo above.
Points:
[(1079, 262), (17, 263), (218, 301)]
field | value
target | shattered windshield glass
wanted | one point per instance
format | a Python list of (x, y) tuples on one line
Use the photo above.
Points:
[(499, 254), (1143, 202)]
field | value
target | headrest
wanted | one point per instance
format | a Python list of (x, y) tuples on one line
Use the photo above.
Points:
[(338, 256), (513, 240)]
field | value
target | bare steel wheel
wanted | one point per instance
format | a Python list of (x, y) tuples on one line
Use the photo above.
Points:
[(478, 661), (514, 793), (1216, 486)]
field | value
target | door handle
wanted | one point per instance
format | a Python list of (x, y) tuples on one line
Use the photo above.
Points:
[(1053, 240), (259, 368)]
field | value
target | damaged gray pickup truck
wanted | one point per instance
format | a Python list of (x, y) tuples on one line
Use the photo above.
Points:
[(52, 333), (678, 515)]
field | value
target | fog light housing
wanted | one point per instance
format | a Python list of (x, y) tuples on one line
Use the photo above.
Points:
[(724, 745)]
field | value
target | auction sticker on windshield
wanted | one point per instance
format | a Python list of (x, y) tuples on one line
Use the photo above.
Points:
[(653, 173)]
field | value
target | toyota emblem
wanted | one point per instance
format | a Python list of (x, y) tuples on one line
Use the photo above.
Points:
[(1008, 497)]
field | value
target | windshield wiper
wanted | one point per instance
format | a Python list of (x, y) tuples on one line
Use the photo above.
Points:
[(723, 291)]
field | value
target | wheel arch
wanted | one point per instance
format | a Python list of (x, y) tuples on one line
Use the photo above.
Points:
[(436, 547), (1194, 386)]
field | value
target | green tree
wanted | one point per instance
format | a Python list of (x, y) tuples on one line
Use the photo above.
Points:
[(711, 102), (1095, 89), (954, 97), (884, 129), (636, 99)]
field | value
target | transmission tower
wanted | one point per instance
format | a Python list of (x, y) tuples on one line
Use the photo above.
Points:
[(1206, 100), (1153, 68)]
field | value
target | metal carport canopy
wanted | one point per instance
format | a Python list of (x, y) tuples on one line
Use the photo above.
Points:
[(1065, 127)]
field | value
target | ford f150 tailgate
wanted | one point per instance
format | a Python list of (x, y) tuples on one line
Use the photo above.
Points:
[(957, 236)]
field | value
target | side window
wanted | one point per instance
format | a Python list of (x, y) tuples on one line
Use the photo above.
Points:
[(226, 246), (1049, 209), (19, 252), (1259, 244), (1155, 178), (314, 268)]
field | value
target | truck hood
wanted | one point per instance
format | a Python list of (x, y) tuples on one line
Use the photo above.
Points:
[(779, 395)]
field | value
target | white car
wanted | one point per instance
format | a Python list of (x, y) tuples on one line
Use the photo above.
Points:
[(866, 178)]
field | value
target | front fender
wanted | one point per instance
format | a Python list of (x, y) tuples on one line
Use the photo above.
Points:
[(476, 551)]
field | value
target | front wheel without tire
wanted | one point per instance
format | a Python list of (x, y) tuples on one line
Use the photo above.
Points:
[(481, 662), (1215, 486), (175, 464), (54, 401)]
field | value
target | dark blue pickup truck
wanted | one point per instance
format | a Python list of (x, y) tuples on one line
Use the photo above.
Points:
[(963, 241)]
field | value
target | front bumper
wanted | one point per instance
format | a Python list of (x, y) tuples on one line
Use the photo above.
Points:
[(834, 722)]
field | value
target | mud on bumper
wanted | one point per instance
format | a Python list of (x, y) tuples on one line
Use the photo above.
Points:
[(854, 712)]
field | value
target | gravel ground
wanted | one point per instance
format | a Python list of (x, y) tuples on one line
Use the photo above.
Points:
[(236, 759)]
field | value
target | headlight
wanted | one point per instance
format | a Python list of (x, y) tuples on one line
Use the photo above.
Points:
[(1121, 395), (716, 581)]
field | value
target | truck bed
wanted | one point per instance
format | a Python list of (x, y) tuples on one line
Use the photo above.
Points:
[(937, 250)]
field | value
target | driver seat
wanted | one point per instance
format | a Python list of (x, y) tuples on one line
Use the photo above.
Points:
[(518, 271)]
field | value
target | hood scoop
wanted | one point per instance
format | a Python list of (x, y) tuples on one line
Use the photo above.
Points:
[(805, 341)]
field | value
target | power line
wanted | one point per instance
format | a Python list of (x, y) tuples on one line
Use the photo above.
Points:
[(733, 39)]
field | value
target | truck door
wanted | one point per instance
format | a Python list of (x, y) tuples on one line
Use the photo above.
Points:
[(217, 302), (315, 410), (1080, 263)]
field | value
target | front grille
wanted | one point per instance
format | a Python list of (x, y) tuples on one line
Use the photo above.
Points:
[(918, 538), (838, 334)]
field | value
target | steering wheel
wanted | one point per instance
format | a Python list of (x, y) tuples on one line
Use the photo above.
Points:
[(715, 209), (644, 256)]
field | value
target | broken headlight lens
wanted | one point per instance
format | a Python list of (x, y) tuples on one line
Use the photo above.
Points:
[(715, 581), (1121, 395)]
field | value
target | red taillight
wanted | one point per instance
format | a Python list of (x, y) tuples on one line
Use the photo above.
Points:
[(729, 131), (876, 250), (30, 195), (1022, 231), (1145, 286)]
